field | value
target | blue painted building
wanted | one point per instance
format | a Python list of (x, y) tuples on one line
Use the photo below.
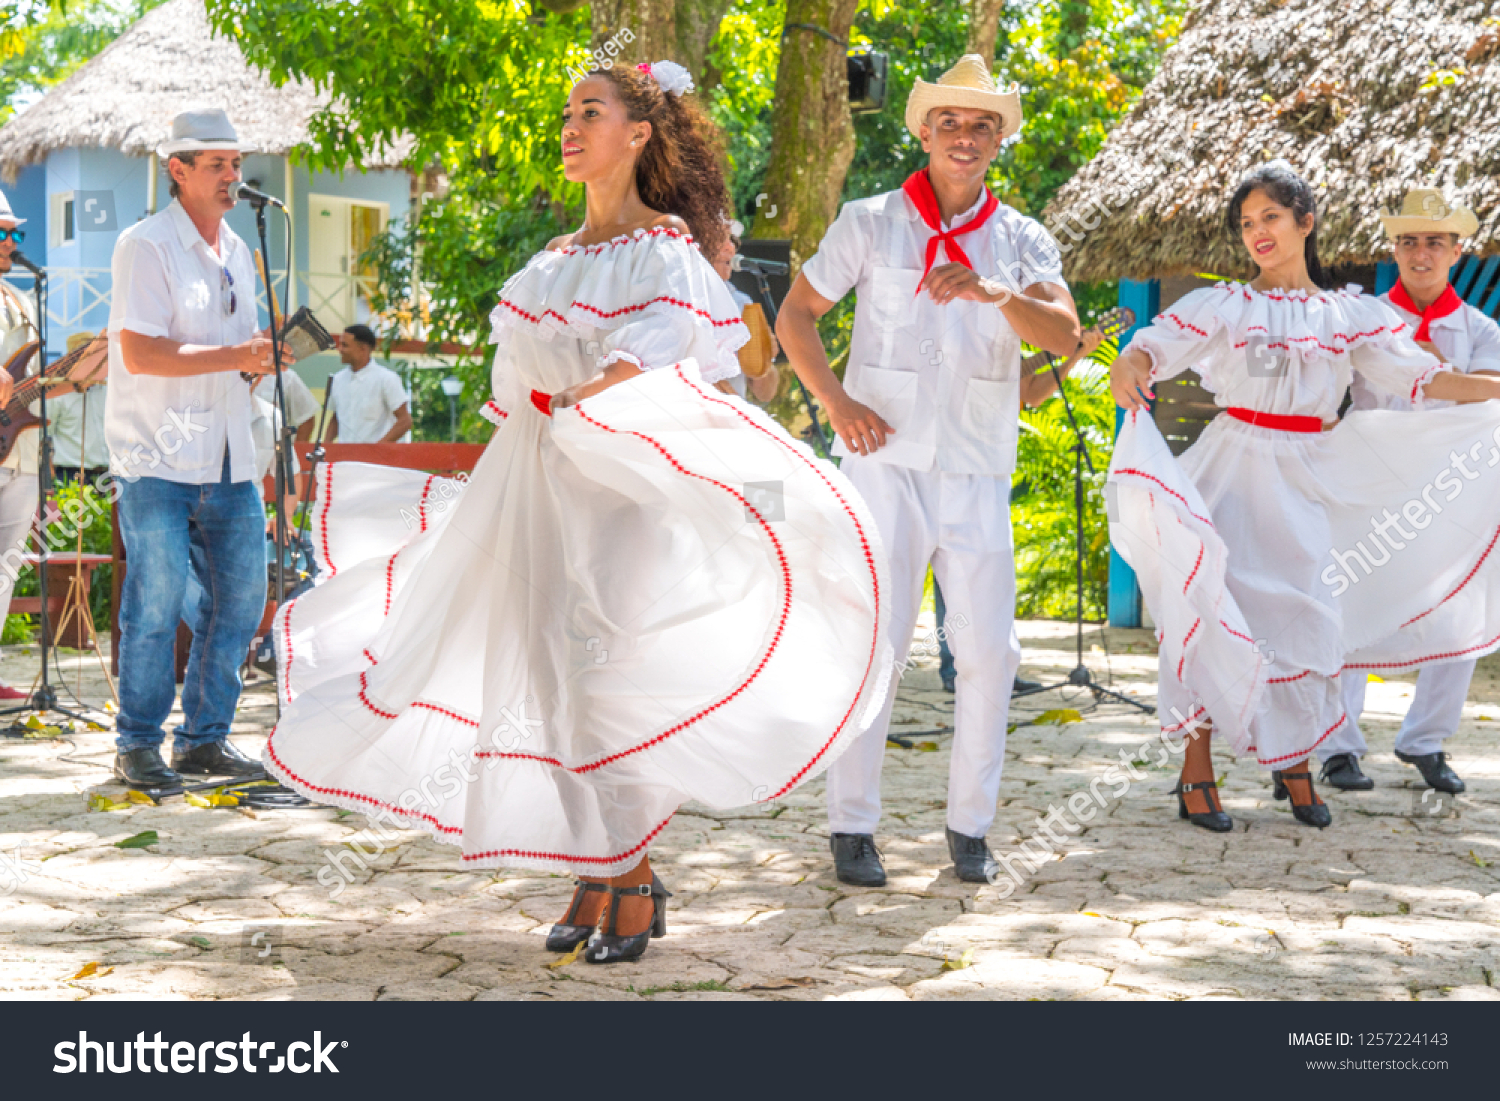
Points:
[(80, 165)]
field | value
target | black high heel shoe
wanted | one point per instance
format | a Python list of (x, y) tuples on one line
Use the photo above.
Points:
[(1213, 819), (607, 946), (1309, 814), (565, 936)]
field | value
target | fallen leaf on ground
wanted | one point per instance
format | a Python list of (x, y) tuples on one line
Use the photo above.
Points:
[(1373, 679), (785, 984), (1057, 717), (1481, 861), (140, 797), (91, 971), (927, 747), (104, 802), (193, 799), (139, 841), (959, 964), (563, 961)]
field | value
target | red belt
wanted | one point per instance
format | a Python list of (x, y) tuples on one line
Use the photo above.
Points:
[(1275, 420), (542, 401)]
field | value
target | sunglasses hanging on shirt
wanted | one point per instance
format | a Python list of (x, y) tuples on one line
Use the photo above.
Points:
[(226, 292)]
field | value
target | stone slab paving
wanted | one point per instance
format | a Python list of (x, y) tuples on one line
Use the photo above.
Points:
[(1391, 902)]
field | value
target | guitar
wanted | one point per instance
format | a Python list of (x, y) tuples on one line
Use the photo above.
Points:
[(1110, 324), (15, 418)]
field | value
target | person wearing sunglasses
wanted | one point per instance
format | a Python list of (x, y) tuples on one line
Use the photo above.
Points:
[(177, 419), (18, 489)]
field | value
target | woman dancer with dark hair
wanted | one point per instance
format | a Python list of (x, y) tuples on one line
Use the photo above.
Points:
[(607, 620), (1239, 544)]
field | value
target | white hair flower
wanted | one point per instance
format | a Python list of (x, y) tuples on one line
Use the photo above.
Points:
[(672, 77)]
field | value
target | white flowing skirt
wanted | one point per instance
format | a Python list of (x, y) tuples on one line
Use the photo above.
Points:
[(651, 597), (1274, 563)]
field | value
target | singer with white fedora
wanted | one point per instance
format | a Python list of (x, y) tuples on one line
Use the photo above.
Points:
[(927, 419), (1426, 240), (182, 331)]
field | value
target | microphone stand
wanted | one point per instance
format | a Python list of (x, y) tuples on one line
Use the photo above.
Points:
[(812, 409), (285, 433), (1080, 677), (43, 697)]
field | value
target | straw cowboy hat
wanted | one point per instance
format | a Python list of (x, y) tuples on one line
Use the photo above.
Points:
[(203, 129), (6, 214), (1424, 210), (967, 84)]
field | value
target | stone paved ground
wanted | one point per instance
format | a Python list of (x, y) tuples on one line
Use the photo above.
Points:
[(1386, 904)]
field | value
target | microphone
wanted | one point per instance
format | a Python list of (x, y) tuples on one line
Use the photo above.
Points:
[(25, 261), (242, 190), (757, 267)]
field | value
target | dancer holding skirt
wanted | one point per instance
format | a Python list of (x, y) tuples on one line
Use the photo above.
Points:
[(646, 593), (1275, 553)]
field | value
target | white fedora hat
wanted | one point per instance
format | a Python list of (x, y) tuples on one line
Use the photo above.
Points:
[(6, 215), (967, 84), (203, 128), (1424, 210)]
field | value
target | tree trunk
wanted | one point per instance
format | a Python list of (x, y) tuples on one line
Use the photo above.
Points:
[(984, 28), (663, 30), (812, 134)]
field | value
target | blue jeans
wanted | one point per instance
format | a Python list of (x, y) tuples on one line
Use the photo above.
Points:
[(946, 667), (211, 535)]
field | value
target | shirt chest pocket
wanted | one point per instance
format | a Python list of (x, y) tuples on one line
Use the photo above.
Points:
[(895, 315)]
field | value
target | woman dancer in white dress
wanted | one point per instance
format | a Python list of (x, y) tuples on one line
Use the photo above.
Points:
[(646, 593), (1241, 543)]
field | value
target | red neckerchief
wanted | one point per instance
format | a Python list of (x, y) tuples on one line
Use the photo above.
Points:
[(1446, 303), (918, 187)]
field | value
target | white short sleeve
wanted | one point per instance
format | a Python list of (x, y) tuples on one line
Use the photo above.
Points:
[(1484, 351), (393, 392), (842, 259), (1038, 255), (301, 406), (140, 279)]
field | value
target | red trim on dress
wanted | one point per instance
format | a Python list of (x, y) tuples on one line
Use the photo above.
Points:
[(1169, 489)]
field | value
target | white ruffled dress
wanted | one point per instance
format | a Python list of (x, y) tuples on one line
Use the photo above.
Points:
[(650, 597), (1269, 558)]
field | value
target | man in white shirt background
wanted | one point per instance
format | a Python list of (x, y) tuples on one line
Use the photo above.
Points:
[(76, 424), (927, 416), (369, 403), (1426, 241), (178, 418)]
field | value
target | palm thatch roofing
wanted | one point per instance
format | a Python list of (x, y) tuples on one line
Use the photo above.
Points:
[(1366, 98), (167, 62)]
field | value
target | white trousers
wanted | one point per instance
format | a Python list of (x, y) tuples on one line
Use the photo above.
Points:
[(960, 523), (17, 511), (1434, 713)]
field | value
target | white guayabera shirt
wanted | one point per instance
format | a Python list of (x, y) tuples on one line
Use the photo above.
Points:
[(946, 378), (168, 283), (1467, 338)]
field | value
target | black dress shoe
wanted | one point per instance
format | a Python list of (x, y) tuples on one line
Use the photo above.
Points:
[(857, 860), (1212, 819), (972, 860), (1024, 685), (1315, 813), (219, 758), (1343, 772), (608, 945), (144, 768), (1434, 769), (567, 934)]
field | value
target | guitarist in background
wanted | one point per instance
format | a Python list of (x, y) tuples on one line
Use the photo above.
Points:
[(18, 483)]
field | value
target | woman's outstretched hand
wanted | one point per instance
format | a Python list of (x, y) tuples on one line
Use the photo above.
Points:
[(1130, 380)]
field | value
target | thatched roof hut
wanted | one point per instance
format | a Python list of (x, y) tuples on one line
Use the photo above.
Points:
[(169, 61), (1367, 98)]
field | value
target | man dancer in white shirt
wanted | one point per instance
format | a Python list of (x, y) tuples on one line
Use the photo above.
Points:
[(927, 416), (1425, 240), (177, 419)]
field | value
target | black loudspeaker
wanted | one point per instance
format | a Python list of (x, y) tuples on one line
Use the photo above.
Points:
[(769, 248), (867, 71)]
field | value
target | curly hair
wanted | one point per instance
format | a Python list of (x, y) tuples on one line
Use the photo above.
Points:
[(681, 170)]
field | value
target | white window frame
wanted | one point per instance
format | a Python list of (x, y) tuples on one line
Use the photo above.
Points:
[(57, 216)]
